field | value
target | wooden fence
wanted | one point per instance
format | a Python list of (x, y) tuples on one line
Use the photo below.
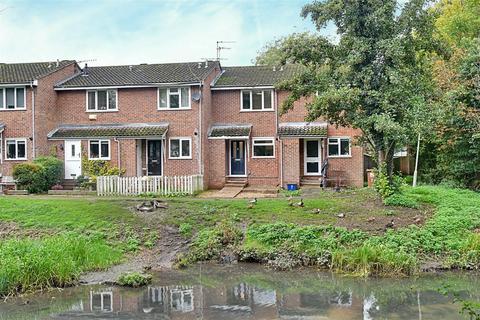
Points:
[(134, 186)]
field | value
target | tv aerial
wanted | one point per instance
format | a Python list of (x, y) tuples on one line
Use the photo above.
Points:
[(221, 47)]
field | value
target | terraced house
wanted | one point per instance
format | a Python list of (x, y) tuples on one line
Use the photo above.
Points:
[(171, 119)]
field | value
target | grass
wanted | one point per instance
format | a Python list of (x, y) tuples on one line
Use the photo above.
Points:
[(58, 239)]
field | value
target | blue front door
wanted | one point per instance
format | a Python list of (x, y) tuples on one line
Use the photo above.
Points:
[(237, 158)]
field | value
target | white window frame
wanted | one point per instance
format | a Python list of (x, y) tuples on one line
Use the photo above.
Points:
[(100, 149), (4, 96), (96, 100), (349, 155), (263, 144), (251, 100), (180, 157), (189, 107), (16, 150)]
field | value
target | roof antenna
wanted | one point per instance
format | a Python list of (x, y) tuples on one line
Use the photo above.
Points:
[(58, 63), (220, 48)]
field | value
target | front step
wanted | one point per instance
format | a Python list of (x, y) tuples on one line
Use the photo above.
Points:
[(69, 184), (232, 182), (310, 182)]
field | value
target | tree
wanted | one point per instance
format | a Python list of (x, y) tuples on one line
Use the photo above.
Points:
[(377, 78)]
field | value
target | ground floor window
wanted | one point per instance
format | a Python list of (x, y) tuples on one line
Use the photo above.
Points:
[(16, 149), (180, 148), (99, 150), (339, 147), (263, 148)]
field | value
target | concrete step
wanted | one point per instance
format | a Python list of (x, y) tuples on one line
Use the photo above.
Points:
[(236, 183), (310, 182)]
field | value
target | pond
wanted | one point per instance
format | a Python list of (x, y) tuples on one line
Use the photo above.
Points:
[(247, 291)]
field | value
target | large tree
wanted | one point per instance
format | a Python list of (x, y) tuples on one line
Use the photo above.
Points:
[(376, 77)]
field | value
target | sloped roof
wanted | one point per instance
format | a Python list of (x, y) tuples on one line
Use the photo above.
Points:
[(254, 76), (302, 129), (26, 72), (222, 131), (142, 74), (126, 130)]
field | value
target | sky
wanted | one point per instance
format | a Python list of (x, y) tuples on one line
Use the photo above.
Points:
[(105, 32)]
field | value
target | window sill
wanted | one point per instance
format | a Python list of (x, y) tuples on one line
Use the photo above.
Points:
[(340, 157), (99, 159), (263, 157), (16, 109), (173, 109), (180, 158), (19, 159), (101, 111), (268, 110)]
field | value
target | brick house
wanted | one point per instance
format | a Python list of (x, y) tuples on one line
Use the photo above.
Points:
[(170, 119)]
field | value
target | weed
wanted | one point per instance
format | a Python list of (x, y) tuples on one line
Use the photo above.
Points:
[(134, 279)]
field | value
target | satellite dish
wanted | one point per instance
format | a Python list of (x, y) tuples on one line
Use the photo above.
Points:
[(196, 96)]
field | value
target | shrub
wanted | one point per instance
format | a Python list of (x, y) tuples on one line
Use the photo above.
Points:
[(95, 168), (134, 279), (401, 201), (53, 170), (30, 176), (383, 186), (40, 175)]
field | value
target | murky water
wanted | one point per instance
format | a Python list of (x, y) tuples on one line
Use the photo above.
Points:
[(252, 292)]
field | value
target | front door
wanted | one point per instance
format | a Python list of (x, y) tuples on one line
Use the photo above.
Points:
[(73, 159), (237, 158), (154, 157), (313, 157)]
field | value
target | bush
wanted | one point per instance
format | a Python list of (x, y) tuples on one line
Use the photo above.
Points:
[(401, 200), (134, 279), (96, 168), (384, 187), (29, 176), (40, 175), (53, 173)]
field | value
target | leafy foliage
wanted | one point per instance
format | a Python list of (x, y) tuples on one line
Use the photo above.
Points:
[(40, 175), (400, 200), (134, 279)]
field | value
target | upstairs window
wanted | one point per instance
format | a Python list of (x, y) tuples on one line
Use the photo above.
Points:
[(180, 148), (16, 149), (263, 148), (12, 98), (339, 147), (174, 98), (257, 100), (99, 150), (102, 100)]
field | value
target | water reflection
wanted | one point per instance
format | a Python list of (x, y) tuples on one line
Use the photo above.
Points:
[(247, 292)]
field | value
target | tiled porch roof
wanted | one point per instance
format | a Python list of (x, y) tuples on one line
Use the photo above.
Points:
[(126, 130), (225, 131), (302, 129)]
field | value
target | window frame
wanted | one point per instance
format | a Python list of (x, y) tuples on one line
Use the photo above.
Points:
[(96, 100), (168, 108), (4, 98), (338, 142), (272, 93), (5, 151), (263, 144), (180, 157), (100, 150)]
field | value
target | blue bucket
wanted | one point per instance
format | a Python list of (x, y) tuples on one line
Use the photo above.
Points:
[(292, 186)]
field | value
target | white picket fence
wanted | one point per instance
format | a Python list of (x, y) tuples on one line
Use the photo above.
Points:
[(134, 186)]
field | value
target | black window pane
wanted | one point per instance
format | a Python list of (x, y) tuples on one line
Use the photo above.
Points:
[(267, 99), (104, 149), (21, 150), (257, 100), (185, 148), (1, 98), (10, 92), (246, 99), (174, 148), (94, 149), (333, 149), (11, 150), (312, 149), (102, 100), (20, 98), (312, 167), (174, 101), (91, 101), (345, 147), (263, 151), (112, 99)]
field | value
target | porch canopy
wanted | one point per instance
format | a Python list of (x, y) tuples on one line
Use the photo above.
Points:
[(229, 131), (302, 130), (118, 130)]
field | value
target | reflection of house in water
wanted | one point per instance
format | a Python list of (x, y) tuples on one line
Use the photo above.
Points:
[(169, 299), (101, 301)]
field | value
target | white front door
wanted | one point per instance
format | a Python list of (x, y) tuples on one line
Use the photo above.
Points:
[(73, 159), (312, 153)]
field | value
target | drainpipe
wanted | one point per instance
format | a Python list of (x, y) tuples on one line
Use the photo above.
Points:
[(33, 120), (119, 163), (200, 131), (276, 135), (281, 163)]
